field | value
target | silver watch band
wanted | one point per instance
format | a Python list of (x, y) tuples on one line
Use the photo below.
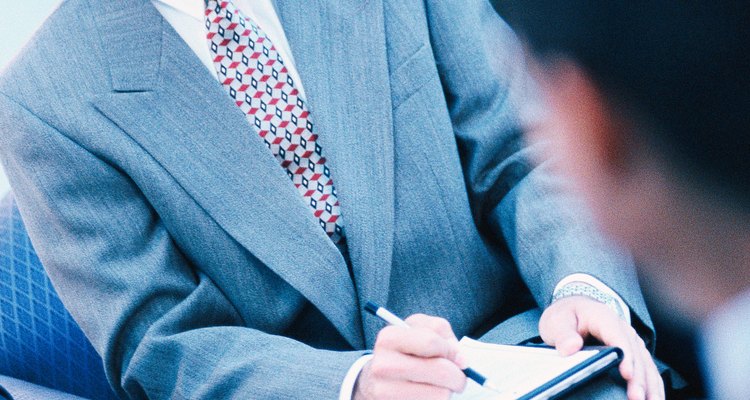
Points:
[(578, 288)]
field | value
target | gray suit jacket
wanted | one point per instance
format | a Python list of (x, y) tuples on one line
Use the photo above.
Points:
[(189, 259)]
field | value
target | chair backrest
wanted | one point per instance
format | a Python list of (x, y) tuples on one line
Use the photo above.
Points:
[(39, 340)]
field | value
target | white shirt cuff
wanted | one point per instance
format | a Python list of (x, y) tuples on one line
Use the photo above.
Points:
[(598, 285), (347, 387)]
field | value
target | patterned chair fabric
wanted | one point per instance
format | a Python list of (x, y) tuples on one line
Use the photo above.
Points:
[(39, 340)]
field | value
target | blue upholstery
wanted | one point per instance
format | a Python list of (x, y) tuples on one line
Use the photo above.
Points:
[(22, 390), (39, 341)]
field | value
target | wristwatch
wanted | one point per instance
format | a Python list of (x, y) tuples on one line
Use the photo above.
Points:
[(578, 288)]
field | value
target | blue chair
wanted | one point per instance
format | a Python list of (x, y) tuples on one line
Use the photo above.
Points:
[(40, 343)]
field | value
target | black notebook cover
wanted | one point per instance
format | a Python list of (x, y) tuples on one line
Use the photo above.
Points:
[(566, 382), (535, 372)]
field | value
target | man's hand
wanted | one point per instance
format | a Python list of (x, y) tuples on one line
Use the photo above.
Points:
[(421, 362), (567, 322)]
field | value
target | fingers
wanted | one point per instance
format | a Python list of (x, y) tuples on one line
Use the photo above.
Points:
[(654, 382), (419, 362), (438, 372), (409, 390), (441, 326), (416, 341), (558, 327), (646, 382), (601, 322), (637, 383), (565, 324)]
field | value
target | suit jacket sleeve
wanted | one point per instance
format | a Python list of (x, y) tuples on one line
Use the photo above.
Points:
[(163, 329), (527, 207)]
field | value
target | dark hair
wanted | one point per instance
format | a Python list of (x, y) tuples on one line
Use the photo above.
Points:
[(682, 65)]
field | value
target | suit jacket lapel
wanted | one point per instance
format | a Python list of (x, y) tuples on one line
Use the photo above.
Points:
[(340, 51), (170, 104)]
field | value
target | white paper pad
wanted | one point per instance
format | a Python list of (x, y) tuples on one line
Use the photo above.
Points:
[(516, 370)]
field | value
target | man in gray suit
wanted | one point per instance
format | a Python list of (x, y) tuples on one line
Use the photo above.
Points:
[(652, 121), (217, 187)]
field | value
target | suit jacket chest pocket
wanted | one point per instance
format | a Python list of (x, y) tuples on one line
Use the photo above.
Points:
[(420, 109), (425, 150), (412, 75)]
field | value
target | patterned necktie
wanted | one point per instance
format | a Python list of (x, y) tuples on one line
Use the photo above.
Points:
[(254, 75)]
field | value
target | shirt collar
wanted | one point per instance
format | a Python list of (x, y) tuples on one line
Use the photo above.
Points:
[(193, 8)]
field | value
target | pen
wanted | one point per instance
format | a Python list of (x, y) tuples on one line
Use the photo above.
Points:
[(392, 319)]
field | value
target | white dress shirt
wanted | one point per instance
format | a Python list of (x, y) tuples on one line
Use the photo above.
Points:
[(726, 350), (187, 19)]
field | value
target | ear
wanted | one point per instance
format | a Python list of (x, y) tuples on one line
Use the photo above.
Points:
[(589, 127), (595, 143), (590, 146)]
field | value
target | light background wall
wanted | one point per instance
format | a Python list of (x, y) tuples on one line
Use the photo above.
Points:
[(18, 22)]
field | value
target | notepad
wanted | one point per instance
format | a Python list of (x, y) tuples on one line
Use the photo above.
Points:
[(530, 372)]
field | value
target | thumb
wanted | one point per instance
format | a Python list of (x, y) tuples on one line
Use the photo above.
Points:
[(560, 329), (570, 343)]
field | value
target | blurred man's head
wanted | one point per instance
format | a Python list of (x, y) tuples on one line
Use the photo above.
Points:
[(650, 103)]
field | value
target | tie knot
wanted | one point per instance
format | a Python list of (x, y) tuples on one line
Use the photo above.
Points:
[(217, 5), (222, 8)]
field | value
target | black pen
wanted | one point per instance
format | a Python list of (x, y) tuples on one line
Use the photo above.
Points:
[(392, 319)]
